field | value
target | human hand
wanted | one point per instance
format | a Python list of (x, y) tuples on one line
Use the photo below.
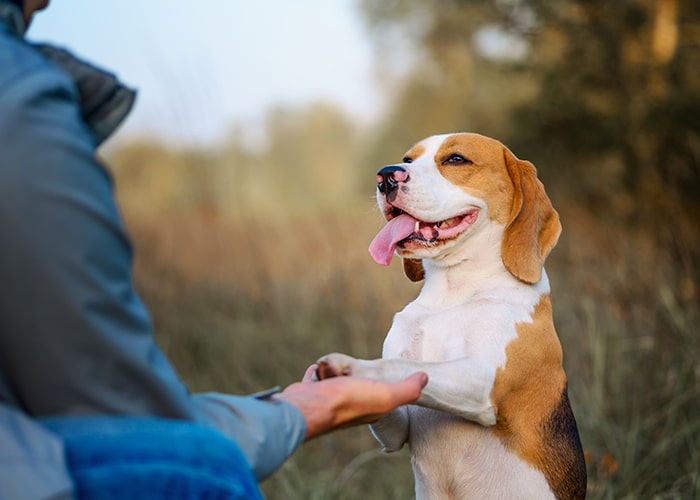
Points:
[(341, 402)]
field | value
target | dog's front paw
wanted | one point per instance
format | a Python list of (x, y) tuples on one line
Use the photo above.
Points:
[(335, 365)]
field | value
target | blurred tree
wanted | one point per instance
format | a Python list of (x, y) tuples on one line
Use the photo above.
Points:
[(609, 91), (152, 179), (149, 177), (451, 84), (312, 150), (620, 98), (237, 170), (305, 160)]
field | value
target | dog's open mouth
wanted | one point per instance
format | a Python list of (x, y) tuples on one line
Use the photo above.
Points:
[(402, 229)]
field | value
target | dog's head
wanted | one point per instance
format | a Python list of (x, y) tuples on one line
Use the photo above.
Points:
[(450, 188)]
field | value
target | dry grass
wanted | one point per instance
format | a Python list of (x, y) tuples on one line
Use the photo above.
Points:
[(240, 304)]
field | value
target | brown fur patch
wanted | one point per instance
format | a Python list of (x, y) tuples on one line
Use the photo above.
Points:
[(415, 152), (486, 177), (533, 227), (534, 418)]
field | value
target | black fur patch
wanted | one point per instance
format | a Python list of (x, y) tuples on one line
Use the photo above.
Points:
[(567, 467)]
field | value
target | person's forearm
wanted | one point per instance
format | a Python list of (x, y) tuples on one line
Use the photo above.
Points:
[(267, 431)]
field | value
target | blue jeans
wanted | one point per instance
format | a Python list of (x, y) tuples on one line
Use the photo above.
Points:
[(145, 458)]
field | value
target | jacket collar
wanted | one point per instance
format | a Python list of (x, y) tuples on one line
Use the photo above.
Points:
[(104, 100)]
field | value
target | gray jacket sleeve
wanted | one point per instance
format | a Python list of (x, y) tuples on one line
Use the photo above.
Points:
[(74, 336)]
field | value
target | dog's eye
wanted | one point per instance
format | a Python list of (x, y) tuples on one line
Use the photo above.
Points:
[(406, 159), (456, 159)]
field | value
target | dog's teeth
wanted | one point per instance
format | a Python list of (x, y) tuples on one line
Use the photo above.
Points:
[(416, 228), (445, 223)]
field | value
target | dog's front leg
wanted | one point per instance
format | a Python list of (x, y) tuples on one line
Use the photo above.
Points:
[(459, 386)]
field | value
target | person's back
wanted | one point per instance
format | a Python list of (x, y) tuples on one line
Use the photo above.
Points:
[(31, 458)]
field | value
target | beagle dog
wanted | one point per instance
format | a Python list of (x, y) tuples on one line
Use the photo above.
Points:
[(494, 421)]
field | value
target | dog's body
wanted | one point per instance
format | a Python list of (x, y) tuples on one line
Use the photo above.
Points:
[(494, 420)]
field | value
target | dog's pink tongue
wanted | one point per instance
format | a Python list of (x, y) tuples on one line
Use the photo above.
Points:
[(383, 245)]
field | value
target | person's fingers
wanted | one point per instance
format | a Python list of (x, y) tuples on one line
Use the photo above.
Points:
[(409, 389), (404, 392)]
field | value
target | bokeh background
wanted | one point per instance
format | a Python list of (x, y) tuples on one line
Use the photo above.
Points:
[(246, 179)]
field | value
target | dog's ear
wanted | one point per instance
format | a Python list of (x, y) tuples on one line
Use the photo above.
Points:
[(533, 227), (413, 269)]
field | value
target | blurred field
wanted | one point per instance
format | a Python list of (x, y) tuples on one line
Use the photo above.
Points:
[(243, 303)]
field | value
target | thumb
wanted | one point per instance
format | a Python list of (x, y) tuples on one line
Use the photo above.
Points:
[(409, 389)]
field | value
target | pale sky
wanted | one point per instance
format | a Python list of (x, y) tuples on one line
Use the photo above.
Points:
[(199, 67)]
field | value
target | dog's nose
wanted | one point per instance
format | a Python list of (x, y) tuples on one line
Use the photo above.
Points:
[(388, 178)]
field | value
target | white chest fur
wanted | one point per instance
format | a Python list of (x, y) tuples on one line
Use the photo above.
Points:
[(474, 322)]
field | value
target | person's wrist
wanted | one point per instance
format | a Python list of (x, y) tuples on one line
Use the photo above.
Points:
[(319, 407)]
